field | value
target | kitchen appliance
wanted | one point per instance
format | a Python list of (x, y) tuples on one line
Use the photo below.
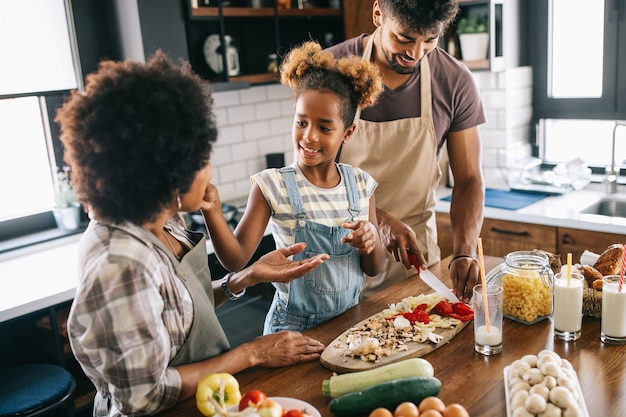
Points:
[(213, 55)]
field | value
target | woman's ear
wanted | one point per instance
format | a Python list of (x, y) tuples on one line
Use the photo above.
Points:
[(348, 132)]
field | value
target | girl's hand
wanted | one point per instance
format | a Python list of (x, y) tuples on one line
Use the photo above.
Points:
[(363, 238), (211, 200), (277, 266)]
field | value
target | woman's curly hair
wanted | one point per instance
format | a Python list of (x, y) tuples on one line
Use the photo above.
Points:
[(137, 136), (355, 81), (426, 17)]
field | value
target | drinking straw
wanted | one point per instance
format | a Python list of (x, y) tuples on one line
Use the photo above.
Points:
[(621, 274), (481, 262), (569, 269)]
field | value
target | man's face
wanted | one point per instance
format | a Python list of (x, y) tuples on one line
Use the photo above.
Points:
[(402, 48)]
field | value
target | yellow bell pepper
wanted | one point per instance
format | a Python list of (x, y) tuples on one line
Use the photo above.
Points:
[(220, 389)]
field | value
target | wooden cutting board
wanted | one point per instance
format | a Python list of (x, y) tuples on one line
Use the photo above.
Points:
[(334, 358)]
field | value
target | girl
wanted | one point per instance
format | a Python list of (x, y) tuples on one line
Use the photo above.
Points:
[(328, 206)]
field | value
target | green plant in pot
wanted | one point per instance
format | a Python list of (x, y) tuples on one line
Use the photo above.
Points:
[(66, 208), (473, 37)]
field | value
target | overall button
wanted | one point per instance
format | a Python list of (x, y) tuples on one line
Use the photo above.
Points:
[(275, 322), (279, 309)]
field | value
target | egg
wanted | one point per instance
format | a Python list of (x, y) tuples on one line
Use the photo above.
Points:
[(406, 409), (430, 413), (432, 403), (381, 412), (455, 410)]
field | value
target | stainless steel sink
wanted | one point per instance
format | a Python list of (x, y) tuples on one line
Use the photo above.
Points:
[(608, 206)]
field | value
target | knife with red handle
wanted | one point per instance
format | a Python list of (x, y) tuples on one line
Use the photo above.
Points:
[(432, 281)]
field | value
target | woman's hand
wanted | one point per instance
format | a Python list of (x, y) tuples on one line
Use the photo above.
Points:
[(277, 267), (363, 238), (284, 348)]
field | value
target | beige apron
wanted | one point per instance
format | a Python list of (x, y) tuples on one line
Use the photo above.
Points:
[(402, 156)]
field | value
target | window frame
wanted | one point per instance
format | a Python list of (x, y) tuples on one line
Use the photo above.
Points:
[(612, 104)]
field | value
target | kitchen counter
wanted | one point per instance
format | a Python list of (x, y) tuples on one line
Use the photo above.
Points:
[(559, 211), (468, 378)]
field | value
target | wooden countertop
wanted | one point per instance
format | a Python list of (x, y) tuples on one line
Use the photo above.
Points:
[(468, 378)]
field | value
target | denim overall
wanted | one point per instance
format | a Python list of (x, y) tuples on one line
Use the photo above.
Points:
[(332, 287)]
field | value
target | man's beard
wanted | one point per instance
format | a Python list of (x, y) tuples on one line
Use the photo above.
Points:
[(398, 69)]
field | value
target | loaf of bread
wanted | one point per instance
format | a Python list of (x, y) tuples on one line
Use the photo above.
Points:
[(553, 260), (610, 261), (592, 276)]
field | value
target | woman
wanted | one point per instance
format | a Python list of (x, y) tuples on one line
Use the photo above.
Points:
[(142, 324)]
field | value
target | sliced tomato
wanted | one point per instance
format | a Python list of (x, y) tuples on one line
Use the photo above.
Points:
[(252, 398), (462, 309), (443, 308)]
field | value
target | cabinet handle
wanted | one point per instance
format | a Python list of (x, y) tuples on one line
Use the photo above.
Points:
[(509, 232), (567, 239)]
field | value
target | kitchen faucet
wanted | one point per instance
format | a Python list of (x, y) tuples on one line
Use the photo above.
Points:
[(612, 174)]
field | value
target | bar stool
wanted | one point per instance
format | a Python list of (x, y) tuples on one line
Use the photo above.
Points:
[(35, 389)]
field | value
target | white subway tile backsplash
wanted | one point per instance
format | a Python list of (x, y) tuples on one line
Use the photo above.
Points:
[(244, 151), (278, 92), (230, 134), (257, 130), (281, 126), (221, 117), (268, 110), (241, 114), (233, 172), (253, 95), (226, 98), (221, 155)]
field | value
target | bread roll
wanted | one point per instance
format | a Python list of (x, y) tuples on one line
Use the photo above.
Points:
[(591, 274), (610, 261)]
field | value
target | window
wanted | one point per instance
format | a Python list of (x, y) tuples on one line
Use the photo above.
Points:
[(579, 61), (37, 39)]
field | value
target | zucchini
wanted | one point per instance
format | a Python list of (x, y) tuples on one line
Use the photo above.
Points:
[(388, 394), (339, 385)]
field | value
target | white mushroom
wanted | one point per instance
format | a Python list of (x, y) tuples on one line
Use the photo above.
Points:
[(573, 411), (535, 403), (519, 368), (541, 390), (551, 411), (533, 376), (550, 368), (520, 386), (519, 399), (549, 381), (522, 412), (548, 353), (561, 396), (530, 359)]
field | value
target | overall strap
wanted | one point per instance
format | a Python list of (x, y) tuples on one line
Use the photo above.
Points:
[(295, 200), (353, 196)]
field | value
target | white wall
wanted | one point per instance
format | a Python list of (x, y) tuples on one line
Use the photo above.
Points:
[(257, 121)]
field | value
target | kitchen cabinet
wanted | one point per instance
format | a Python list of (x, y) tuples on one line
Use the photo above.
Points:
[(500, 237), (255, 33), (576, 241)]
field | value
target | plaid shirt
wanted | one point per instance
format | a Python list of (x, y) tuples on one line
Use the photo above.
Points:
[(130, 317)]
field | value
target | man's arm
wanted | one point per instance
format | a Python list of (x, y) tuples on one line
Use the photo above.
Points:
[(466, 207)]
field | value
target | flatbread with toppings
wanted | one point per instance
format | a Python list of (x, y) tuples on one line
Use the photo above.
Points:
[(412, 327)]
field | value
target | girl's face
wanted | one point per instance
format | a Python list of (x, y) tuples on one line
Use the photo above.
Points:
[(318, 129)]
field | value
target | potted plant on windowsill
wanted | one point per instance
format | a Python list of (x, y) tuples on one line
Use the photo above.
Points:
[(473, 37), (66, 208)]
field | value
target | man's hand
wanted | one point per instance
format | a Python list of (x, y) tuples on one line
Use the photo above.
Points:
[(464, 273), (399, 239)]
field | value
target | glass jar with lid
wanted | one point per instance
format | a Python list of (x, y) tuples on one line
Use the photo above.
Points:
[(526, 279)]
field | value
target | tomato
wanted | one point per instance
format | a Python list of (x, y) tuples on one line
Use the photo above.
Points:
[(296, 413), (252, 398)]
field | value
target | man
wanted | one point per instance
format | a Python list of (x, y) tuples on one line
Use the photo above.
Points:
[(430, 99)]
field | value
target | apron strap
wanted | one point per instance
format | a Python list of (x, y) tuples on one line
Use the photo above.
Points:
[(353, 198), (295, 200)]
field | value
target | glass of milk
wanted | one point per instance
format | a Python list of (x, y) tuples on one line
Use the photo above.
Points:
[(613, 311), (568, 306), (487, 319)]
